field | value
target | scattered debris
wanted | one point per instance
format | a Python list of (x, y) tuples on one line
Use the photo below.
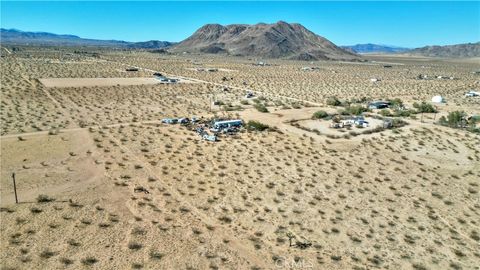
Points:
[(140, 189), (303, 245), (310, 68), (249, 95)]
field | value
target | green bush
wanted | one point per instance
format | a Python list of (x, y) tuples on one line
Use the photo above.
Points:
[(44, 198), (404, 113), (355, 109), (396, 103), (261, 108), (255, 125), (454, 119), (385, 112), (319, 114), (359, 100), (396, 123), (342, 112), (424, 107), (232, 108), (333, 101), (296, 105)]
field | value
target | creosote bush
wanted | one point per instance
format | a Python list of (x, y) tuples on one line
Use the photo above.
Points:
[(255, 125), (319, 115)]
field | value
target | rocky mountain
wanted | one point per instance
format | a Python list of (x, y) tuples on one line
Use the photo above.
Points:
[(278, 40), (458, 50), (17, 37), (151, 44), (374, 48)]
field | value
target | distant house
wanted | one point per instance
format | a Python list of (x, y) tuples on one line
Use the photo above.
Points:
[(378, 105), (438, 99), (472, 93)]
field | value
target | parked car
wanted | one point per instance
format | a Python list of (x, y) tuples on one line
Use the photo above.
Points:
[(336, 125), (183, 120), (211, 138), (361, 123), (169, 120), (249, 95)]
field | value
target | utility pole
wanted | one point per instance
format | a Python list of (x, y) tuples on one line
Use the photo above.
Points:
[(14, 187)]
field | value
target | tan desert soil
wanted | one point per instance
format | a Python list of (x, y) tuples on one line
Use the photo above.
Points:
[(396, 199), (89, 82)]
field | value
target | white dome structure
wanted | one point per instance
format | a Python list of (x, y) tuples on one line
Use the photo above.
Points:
[(438, 99)]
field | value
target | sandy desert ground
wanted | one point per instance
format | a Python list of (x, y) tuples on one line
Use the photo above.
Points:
[(103, 184), (91, 82)]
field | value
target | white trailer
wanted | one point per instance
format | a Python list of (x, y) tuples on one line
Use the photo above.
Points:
[(228, 123)]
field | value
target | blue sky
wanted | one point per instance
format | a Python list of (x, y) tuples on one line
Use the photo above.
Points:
[(408, 24)]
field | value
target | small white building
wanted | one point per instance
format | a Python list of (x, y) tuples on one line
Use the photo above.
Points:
[(438, 99)]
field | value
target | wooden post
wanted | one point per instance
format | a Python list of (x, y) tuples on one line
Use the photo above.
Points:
[(14, 187)]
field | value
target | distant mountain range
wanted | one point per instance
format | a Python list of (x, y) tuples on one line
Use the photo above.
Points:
[(17, 37), (458, 50), (374, 48), (277, 40)]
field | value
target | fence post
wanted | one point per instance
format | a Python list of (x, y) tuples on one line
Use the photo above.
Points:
[(14, 187)]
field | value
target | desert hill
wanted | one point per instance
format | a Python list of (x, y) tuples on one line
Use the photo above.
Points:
[(458, 50), (14, 36), (278, 40), (374, 48)]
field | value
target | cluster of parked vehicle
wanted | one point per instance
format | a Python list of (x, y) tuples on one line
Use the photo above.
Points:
[(208, 130), (164, 79), (183, 120), (357, 121)]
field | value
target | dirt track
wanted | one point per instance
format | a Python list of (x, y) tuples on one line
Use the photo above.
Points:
[(89, 82)]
